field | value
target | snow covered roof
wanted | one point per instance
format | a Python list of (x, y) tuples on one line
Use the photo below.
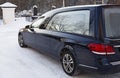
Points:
[(8, 5)]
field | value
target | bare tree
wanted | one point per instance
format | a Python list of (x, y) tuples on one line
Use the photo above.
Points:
[(45, 5)]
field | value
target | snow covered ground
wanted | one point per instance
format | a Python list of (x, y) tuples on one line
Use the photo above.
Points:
[(16, 62)]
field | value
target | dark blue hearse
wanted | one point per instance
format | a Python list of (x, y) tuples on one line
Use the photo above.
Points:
[(83, 38)]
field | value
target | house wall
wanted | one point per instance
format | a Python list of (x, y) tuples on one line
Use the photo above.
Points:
[(8, 15)]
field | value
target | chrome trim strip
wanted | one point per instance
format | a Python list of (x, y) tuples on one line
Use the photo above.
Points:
[(112, 39), (115, 63), (88, 66), (103, 53), (117, 46)]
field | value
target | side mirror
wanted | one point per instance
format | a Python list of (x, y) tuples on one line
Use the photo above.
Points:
[(27, 26)]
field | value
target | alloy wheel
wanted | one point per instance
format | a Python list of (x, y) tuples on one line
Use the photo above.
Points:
[(68, 63)]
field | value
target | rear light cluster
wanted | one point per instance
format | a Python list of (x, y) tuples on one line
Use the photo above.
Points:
[(101, 49)]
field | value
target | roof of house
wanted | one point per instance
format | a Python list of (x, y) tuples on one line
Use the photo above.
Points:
[(8, 5)]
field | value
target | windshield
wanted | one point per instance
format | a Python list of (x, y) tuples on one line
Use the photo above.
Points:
[(38, 22), (112, 22)]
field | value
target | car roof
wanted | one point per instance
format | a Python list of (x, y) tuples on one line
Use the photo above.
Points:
[(52, 12)]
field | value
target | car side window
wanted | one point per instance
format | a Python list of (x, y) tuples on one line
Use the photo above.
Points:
[(37, 23), (73, 22), (55, 23)]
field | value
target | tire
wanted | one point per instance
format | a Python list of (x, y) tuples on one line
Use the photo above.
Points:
[(69, 64), (21, 41)]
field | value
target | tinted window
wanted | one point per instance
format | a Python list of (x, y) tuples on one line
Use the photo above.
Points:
[(73, 22), (112, 23)]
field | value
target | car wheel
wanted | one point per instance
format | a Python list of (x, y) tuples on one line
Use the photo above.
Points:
[(69, 64), (21, 41)]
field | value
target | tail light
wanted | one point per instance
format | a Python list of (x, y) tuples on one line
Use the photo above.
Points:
[(101, 49)]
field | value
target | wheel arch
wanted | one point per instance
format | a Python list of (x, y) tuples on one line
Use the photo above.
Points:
[(70, 51), (69, 48)]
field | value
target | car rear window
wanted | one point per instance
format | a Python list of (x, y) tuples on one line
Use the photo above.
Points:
[(112, 22)]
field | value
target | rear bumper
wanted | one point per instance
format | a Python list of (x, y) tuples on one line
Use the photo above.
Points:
[(109, 69), (114, 67), (112, 70)]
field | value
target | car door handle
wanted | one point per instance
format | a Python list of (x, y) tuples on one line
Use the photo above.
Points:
[(62, 39), (67, 40)]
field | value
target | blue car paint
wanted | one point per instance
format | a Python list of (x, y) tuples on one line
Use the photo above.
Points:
[(53, 42)]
